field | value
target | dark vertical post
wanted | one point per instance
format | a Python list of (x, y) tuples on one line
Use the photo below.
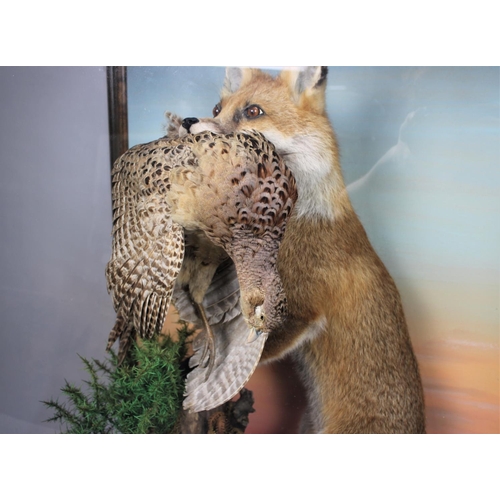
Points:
[(117, 107)]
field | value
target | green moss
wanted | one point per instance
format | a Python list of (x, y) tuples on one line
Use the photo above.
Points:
[(143, 395)]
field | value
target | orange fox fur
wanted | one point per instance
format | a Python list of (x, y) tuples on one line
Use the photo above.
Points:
[(346, 329)]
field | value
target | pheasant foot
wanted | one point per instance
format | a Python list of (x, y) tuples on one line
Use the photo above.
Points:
[(209, 347)]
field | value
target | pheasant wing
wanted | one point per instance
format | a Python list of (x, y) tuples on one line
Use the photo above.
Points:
[(148, 247), (235, 359)]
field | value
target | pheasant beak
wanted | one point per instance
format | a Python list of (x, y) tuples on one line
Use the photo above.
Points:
[(254, 335)]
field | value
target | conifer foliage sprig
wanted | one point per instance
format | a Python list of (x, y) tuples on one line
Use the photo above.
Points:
[(143, 395)]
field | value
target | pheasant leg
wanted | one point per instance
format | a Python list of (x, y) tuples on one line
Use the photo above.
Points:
[(209, 347)]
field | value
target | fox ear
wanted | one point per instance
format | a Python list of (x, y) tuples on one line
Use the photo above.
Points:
[(235, 78), (308, 86)]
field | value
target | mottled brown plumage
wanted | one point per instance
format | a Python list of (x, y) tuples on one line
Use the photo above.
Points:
[(198, 219)]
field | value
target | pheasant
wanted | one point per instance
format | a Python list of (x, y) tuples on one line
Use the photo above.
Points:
[(199, 220)]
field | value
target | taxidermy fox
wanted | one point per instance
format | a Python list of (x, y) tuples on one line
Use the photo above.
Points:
[(346, 327)]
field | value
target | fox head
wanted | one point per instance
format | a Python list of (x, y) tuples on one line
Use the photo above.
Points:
[(289, 110)]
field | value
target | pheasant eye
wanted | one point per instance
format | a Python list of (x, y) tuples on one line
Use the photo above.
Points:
[(259, 313), (216, 110), (253, 111)]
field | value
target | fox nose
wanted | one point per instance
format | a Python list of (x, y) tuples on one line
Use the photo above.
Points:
[(187, 122)]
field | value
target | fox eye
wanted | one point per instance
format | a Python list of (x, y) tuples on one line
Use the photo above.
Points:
[(216, 110), (253, 111)]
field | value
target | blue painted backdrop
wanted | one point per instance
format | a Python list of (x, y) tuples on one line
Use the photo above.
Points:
[(420, 152)]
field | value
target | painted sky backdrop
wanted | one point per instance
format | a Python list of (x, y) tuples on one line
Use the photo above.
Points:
[(420, 151)]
